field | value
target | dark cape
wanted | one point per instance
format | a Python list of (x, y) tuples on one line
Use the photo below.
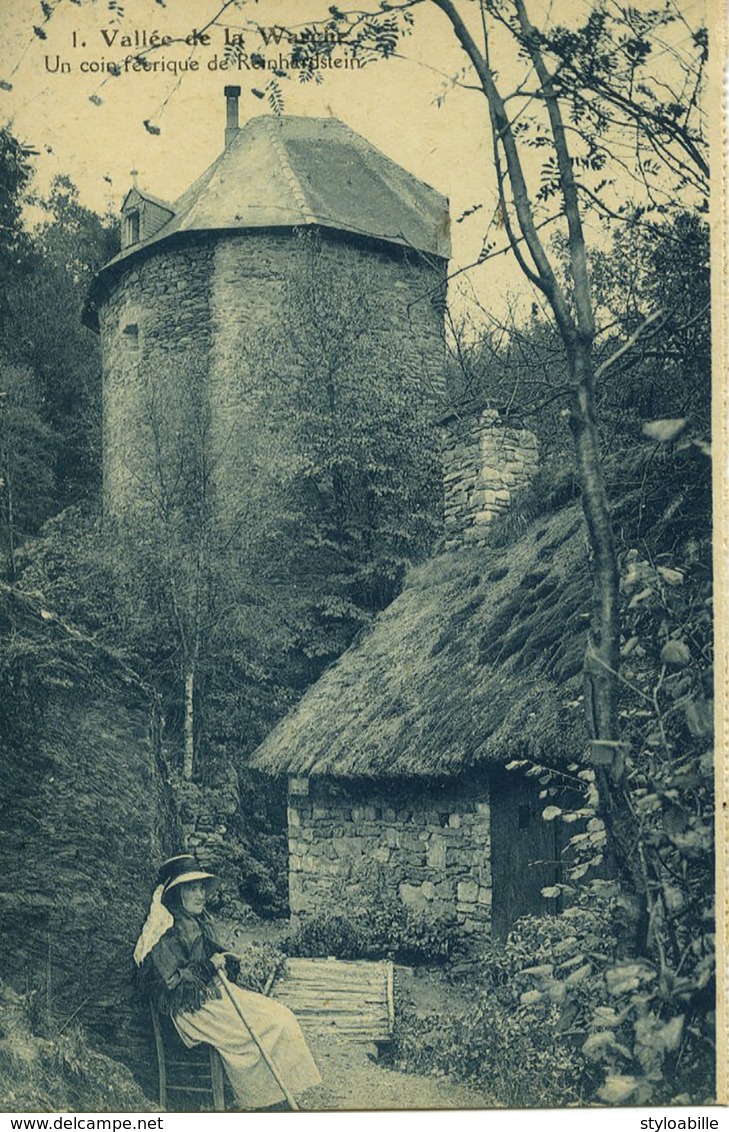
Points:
[(177, 974)]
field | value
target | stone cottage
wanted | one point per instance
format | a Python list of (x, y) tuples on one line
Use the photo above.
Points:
[(396, 759), (199, 284)]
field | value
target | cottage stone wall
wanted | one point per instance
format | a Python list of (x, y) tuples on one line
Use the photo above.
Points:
[(485, 461), (427, 845), (205, 308)]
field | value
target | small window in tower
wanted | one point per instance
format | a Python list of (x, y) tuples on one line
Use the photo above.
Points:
[(130, 336), (132, 227)]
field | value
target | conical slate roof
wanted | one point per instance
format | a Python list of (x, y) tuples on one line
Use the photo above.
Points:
[(293, 172)]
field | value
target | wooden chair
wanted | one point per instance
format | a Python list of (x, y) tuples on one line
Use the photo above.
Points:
[(197, 1072)]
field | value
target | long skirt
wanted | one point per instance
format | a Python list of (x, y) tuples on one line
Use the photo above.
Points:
[(217, 1023)]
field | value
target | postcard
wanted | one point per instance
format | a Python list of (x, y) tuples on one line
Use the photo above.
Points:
[(362, 551)]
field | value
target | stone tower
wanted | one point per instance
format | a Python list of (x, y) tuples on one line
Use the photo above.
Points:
[(199, 288)]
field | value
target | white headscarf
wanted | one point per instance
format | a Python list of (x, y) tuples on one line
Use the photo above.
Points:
[(159, 920)]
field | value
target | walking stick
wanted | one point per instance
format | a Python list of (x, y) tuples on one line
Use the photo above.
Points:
[(264, 1052)]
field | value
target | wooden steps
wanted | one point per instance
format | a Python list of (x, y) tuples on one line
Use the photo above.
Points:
[(352, 998)]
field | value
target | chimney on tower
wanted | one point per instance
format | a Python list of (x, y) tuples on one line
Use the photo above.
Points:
[(232, 94)]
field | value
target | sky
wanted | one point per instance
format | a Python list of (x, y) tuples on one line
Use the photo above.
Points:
[(90, 126), (392, 104)]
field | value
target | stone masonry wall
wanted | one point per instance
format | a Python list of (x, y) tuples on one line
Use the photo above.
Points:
[(485, 461), (153, 324), (205, 308), (251, 421), (429, 846)]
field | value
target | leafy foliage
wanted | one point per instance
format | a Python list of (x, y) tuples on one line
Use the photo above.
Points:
[(375, 927), (69, 245), (257, 964), (649, 1031), (363, 490), (606, 71), (663, 269), (560, 1012), (50, 371), (646, 270), (15, 176), (26, 461), (614, 1011), (504, 1041)]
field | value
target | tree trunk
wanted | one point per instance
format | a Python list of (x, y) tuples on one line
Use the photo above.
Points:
[(11, 523), (602, 654), (189, 756)]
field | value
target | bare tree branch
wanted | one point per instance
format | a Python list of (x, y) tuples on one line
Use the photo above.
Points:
[(609, 362)]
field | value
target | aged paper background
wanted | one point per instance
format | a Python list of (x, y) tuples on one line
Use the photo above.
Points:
[(91, 126)]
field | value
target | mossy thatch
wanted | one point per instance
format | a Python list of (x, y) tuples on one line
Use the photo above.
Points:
[(478, 661)]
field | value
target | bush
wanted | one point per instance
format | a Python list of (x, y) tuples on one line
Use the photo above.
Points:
[(421, 937), (509, 1043), (256, 964), (559, 1014), (507, 1054), (326, 935), (375, 928)]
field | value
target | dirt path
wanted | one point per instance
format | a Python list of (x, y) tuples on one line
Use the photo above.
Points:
[(351, 1080)]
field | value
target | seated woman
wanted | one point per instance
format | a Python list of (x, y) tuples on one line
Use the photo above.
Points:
[(179, 956)]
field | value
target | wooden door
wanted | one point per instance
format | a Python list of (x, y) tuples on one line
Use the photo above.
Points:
[(524, 856)]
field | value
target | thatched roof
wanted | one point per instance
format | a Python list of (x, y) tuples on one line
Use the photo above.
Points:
[(478, 661)]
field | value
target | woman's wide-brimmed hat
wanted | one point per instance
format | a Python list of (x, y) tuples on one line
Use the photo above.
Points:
[(183, 869), (174, 872)]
